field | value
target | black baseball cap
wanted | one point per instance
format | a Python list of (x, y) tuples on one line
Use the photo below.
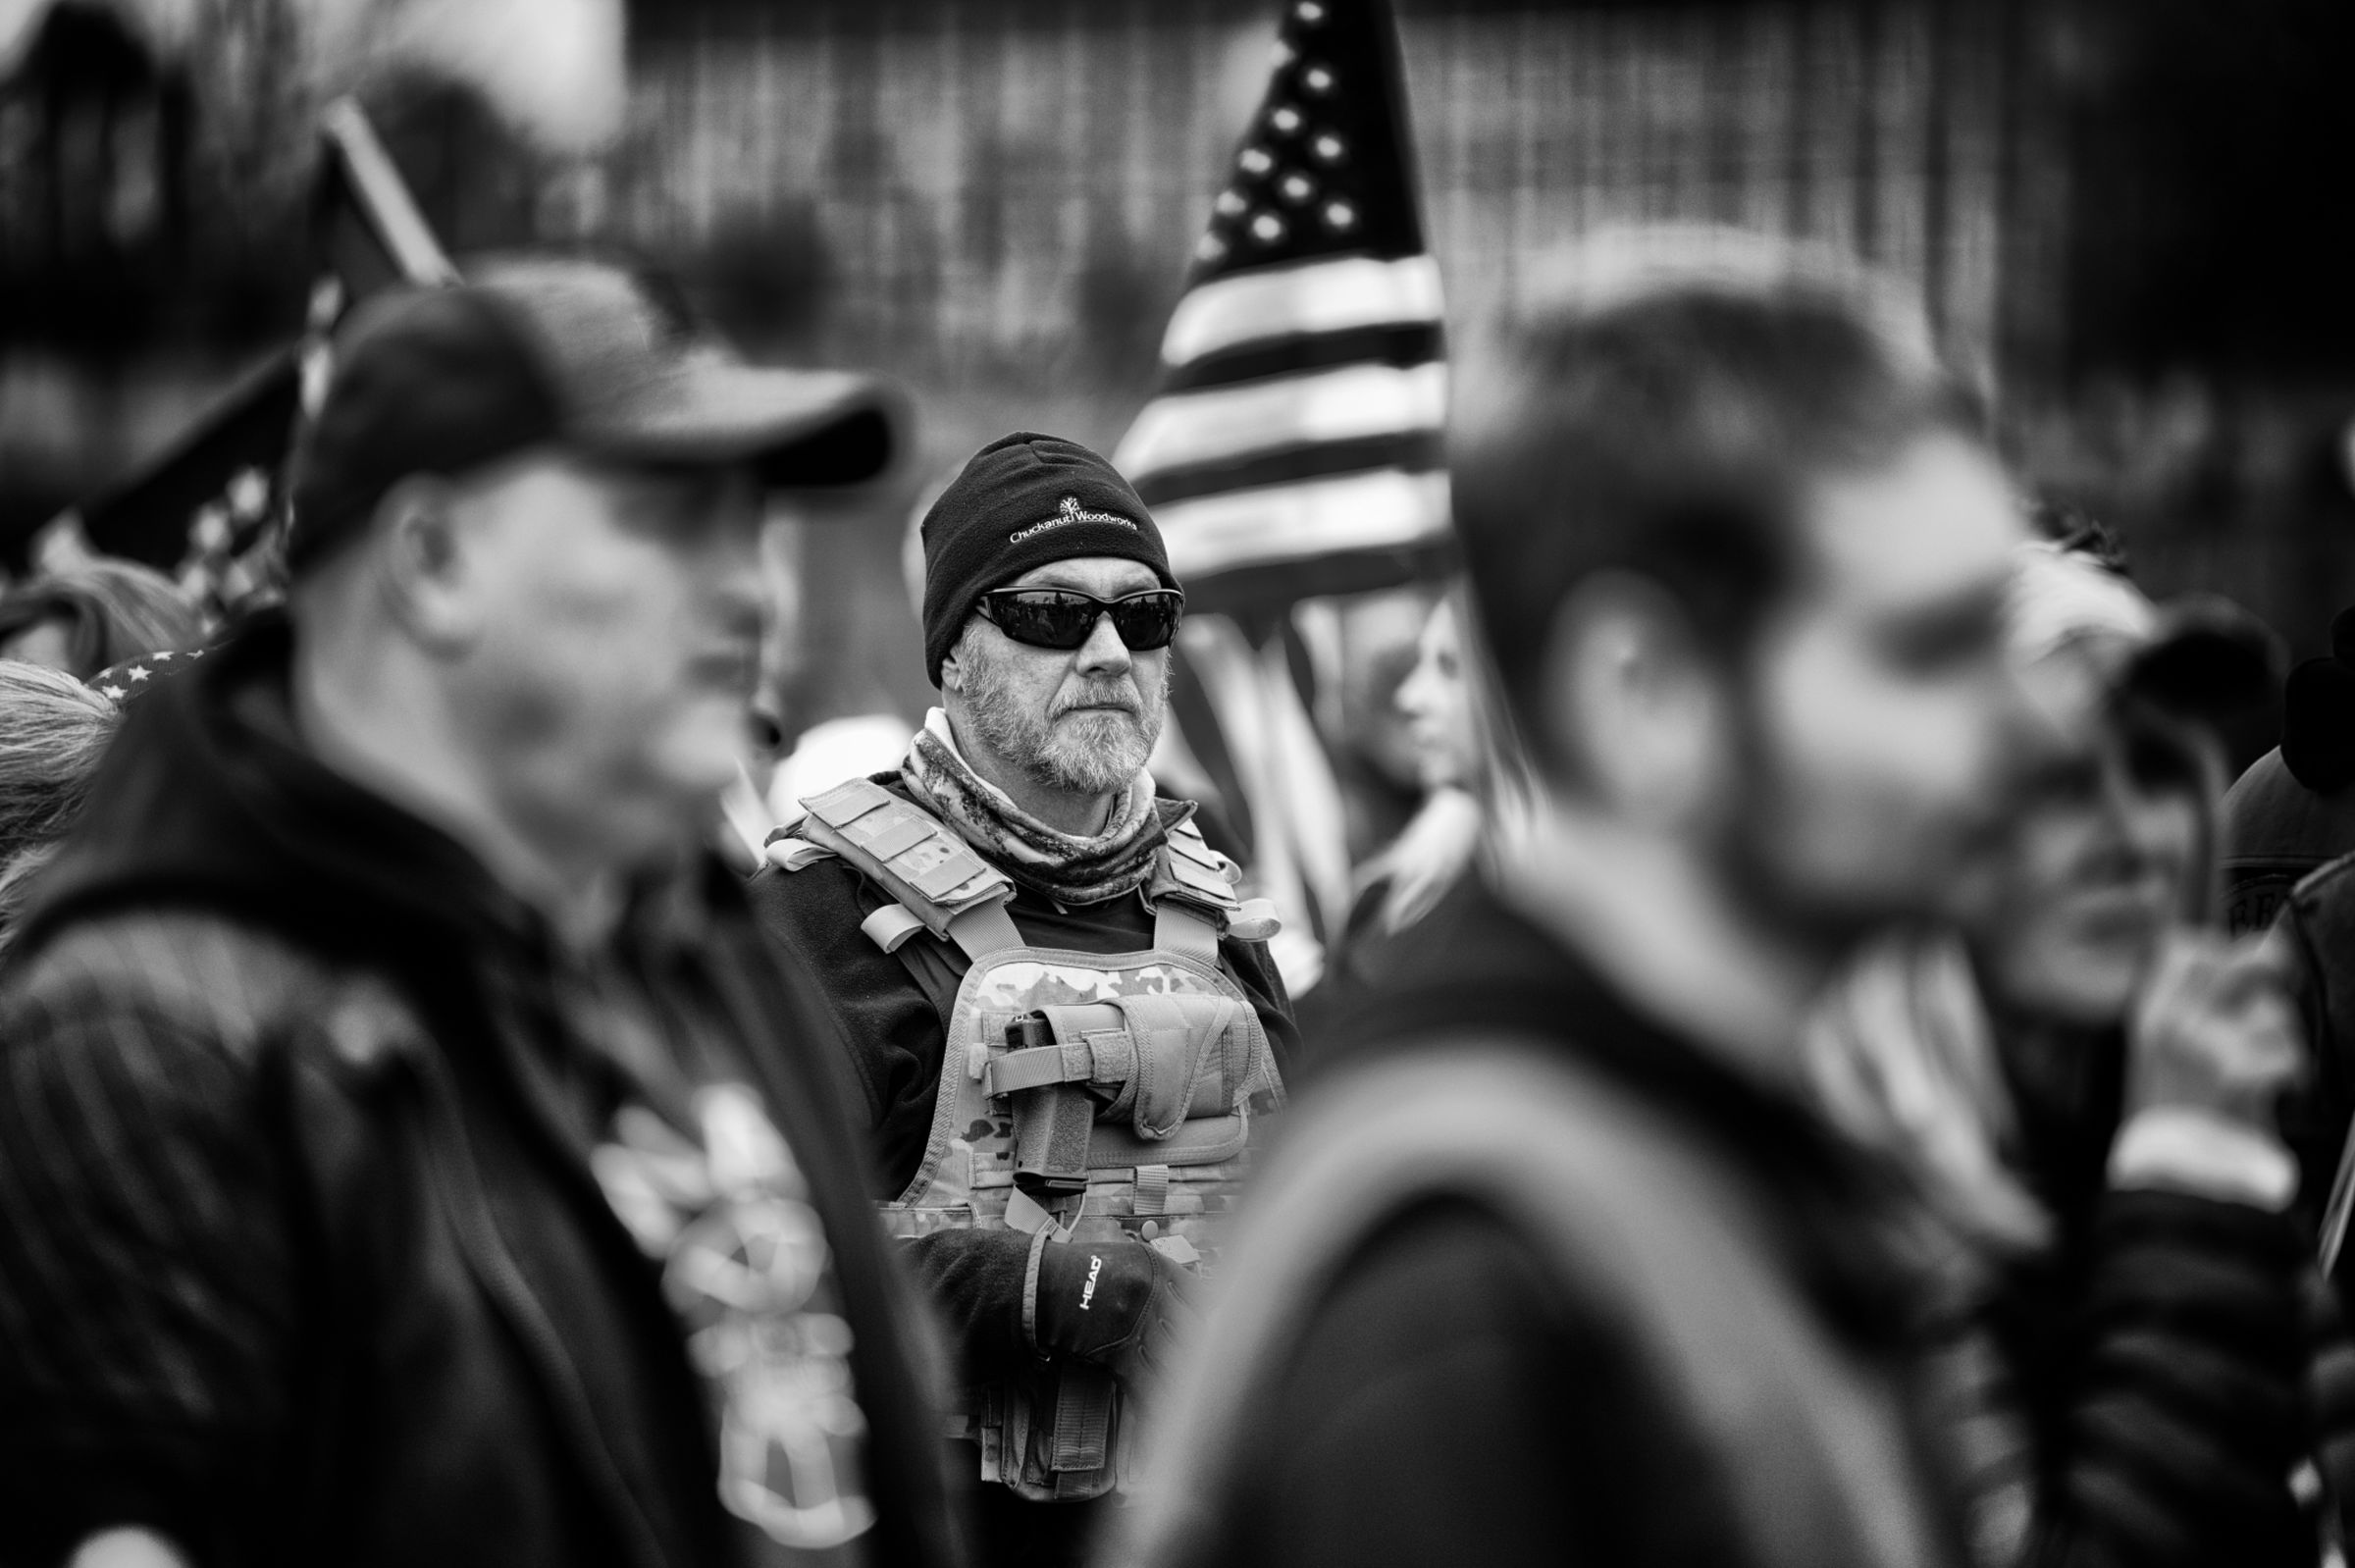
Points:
[(574, 353)]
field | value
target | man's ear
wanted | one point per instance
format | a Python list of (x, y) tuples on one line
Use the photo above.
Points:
[(425, 562), (952, 669), (1634, 704)]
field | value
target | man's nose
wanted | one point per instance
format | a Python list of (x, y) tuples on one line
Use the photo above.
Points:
[(2040, 728), (1104, 650), (737, 599)]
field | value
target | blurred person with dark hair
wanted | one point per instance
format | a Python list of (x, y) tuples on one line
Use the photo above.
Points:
[(96, 613), (1557, 1263), (2291, 813), (2082, 1077), (1066, 1021), (2292, 805), (53, 729), (408, 1152)]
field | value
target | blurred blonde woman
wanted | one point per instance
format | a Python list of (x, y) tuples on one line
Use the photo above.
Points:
[(53, 729), (1471, 771), (96, 614)]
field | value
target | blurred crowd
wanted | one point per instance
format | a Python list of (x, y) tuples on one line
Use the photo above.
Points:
[(1824, 1063)]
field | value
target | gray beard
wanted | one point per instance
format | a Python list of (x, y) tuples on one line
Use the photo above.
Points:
[(1094, 753)]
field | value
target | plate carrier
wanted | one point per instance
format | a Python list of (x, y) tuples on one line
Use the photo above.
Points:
[(1083, 1095)]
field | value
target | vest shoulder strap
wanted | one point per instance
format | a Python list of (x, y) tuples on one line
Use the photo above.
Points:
[(939, 884), (1192, 891), (1187, 868)]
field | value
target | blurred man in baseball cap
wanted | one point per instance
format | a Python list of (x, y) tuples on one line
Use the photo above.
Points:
[(429, 1168)]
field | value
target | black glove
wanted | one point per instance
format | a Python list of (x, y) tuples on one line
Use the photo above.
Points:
[(1120, 1304)]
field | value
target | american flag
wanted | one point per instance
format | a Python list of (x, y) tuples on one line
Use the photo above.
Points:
[(1291, 449), (1292, 444)]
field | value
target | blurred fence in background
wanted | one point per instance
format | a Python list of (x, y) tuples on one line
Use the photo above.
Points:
[(994, 199)]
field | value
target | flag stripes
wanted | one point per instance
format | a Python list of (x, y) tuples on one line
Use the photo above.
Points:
[(1384, 511), (1346, 402), (1412, 450), (1399, 343), (1328, 294)]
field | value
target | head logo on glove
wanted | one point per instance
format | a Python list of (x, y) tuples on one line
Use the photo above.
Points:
[(1087, 1293)]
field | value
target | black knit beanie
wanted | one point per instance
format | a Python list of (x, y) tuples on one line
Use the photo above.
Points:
[(1024, 500)]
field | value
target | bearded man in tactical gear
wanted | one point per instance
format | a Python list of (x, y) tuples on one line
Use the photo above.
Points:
[(1066, 1021)]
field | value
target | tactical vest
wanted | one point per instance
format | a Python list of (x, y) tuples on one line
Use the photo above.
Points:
[(1083, 1095)]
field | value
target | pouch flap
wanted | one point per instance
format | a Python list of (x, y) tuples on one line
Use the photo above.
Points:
[(1204, 1140), (1178, 1040)]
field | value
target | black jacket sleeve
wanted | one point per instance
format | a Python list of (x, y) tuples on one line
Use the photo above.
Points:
[(148, 1298), (2162, 1369), (889, 1030), (977, 1280)]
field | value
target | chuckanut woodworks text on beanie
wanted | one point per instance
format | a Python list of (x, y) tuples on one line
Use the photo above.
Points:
[(1024, 500)]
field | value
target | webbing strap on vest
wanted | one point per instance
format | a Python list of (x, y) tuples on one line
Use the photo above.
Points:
[(984, 929), (941, 885), (1083, 1438), (1177, 928), (1106, 1058), (1191, 897), (1152, 1189), (890, 926)]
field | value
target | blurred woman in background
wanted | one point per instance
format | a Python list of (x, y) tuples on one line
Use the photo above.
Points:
[(100, 612), (1472, 774), (2081, 1083), (53, 730)]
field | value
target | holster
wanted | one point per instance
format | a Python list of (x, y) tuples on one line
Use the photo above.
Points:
[(1153, 1061), (1051, 1123)]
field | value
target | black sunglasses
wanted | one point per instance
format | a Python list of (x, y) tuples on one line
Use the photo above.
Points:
[(1065, 618)]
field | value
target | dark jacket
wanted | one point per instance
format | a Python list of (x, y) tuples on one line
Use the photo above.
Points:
[(301, 1258), (1451, 1388), (2274, 831), (2319, 918), (2155, 1349), (2318, 1121)]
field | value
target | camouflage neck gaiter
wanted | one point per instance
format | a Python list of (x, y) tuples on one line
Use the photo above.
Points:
[(1066, 868)]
